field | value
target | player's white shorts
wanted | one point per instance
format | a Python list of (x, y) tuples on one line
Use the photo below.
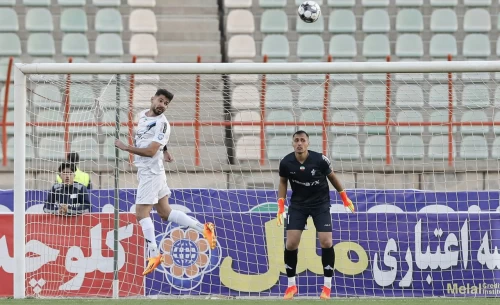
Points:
[(151, 187)]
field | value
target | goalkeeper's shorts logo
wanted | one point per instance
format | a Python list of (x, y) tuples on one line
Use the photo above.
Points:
[(187, 257)]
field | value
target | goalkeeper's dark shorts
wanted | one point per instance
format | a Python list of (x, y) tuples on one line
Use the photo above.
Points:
[(296, 219)]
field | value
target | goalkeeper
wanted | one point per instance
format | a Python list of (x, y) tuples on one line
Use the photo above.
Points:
[(153, 132), (308, 172)]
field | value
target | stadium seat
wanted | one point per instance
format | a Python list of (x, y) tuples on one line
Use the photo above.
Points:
[(474, 148), (495, 148), (7, 2), (30, 152), (4, 66), (11, 96), (41, 44), (343, 46), (248, 148), (410, 148), (47, 96), (75, 44), (109, 116), (444, 2), (106, 2), (410, 96), (444, 20), (341, 3), (477, 2), (280, 116), (438, 148), (8, 20), (439, 96), (374, 96), (109, 44), (10, 44), (81, 95), (474, 116), (142, 21), (377, 116), (247, 116), (409, 2), (142, 3), (272, 3), (39, 20), (375, 3), (143, 45), (299, 2), (476, 96), (86, 116), (278, 146), (275, 46), (344, 96), (376, 21), (87, 147), (279, 96), (342, 21), (375, 148), (36, 2), (71, 2), (107, 97), (440, 116), (315, 116), (344, 116), (476, 45), (310, 46), (108, 20), (317, 27), (142, 96), (241, 46), (240, 22), (442, 45), (10, 119), (274, 22), (496, 119), (238, 3), (49, 116), (245, 97), (311, 96), (109, 151), (411, 116), (477, 20), (73, 20), (345, 148), (409, 20), (409, 45), (376, 45)]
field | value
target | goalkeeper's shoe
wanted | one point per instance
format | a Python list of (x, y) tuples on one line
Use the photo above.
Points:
[(325, 294), (209, 234), (153, 262), (290, 292)]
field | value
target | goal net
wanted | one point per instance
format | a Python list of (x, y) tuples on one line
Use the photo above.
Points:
[(415, 147)]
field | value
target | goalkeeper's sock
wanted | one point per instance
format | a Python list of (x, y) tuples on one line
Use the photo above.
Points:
[(148, 230), (328, 261), (183, 219), (291, 265), (291, 281), (327, 282)]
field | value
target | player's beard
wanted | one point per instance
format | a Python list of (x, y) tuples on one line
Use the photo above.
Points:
[(156, 111)]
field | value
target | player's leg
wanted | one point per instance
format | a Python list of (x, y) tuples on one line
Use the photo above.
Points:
[(295, 222), (323, 223)]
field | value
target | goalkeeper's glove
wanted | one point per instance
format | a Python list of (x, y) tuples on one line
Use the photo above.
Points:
[(347, 202), (281, 210)]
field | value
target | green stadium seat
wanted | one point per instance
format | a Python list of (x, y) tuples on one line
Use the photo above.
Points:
[(247, 116), (377, 116), (87, 147), (274, 22), (245, 97), (279, 146), (73, 20), (409, 20), (49, 116), (4, 68), (495, 149), (108, 20), (444, 2), (299, 2), (7, 2), (109, 44), (411, 116), (280, 116), (375, 3), (376, 21), (409, 45), (376, 45), (345, 148), (477, 2), (476, 96), (344, 96), (39, 20), (341, 3), (144, 21), (71, 2), (438, 148), (442, 45), (238, 22), (344, 116), (311, 96), (36, 2), (410, 96), (142, 3), (342, 21), (10, 44), (47, 96), (439, 96), (272, 3), (375, 148), (317, 27), (11, 96), (343, 46), (275, 46), (30, 149), (315, 116), (474, 116), (143, 45), (83, 116), (8, 20), (107, 97), (477, 20), (81, 95), (476, 45), (310, 46), (410, 148), (474, 148), (279, 96), (374, 96), (241, 46), (41, 44), (409, 2), (75, 44), (106, 2), (440, 116), (248, 148), (109, 116), (109, 152), (444, 20)]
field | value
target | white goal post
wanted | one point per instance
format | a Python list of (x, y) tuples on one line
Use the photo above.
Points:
[(356, 166)]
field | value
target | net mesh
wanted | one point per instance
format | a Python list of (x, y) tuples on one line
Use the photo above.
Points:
[(417, 153)]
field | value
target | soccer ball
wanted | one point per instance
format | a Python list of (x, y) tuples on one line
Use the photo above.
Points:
[(309, 11)]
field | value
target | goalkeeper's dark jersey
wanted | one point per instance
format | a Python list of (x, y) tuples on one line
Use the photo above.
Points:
[(74, 195), (308, 180)]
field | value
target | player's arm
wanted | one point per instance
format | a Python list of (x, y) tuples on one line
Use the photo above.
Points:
[(141, 151), (283, 185), (326, 167)]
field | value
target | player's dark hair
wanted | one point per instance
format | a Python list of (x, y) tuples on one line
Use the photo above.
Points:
[(73, 157), (169, 95), (67, 165), (299, 132)]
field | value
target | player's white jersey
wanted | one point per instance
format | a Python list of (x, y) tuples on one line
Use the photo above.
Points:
[(151, 129)]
